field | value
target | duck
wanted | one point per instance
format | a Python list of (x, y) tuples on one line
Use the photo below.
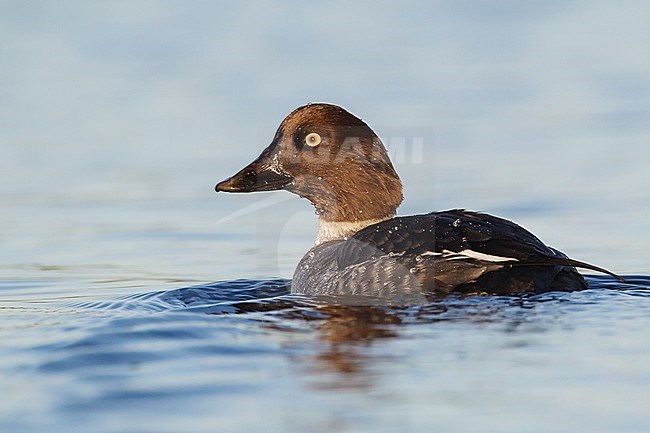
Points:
[(327, 155)]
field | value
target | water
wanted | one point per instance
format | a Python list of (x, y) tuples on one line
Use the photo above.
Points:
[(243, 355), (134, 299)]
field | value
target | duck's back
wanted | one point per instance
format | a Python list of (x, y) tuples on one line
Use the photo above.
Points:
[(437, 253)]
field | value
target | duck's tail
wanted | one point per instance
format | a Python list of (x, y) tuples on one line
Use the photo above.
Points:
[(565, 261)]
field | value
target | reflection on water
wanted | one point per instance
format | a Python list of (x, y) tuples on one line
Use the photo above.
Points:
[(219, 350), (345, 330)]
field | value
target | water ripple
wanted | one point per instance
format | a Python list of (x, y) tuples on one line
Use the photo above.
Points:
[(244, 296)]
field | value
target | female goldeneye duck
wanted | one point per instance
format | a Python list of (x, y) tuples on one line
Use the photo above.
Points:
[(332, 158)]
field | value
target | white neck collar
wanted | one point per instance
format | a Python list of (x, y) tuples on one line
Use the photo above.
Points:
[(339, 230)]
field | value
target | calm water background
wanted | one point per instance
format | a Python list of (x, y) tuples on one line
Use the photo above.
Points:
[(117, 119)]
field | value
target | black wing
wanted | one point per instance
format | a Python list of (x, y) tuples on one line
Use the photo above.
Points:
[(442, 234)]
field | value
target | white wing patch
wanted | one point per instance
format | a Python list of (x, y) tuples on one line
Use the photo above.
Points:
[(431, 253), (464, 254)]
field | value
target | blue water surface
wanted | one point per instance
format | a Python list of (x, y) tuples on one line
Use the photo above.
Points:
[(237, 355)]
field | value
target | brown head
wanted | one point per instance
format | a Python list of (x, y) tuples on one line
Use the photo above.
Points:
[(330, 157)]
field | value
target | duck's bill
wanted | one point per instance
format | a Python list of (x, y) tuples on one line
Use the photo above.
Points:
[(260, 175)]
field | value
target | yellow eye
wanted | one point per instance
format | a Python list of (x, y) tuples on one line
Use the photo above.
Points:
[(312, 140)]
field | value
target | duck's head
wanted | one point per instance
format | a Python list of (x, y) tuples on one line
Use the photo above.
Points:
[(332, 158)]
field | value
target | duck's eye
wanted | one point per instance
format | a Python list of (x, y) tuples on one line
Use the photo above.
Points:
[(312, 139)]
